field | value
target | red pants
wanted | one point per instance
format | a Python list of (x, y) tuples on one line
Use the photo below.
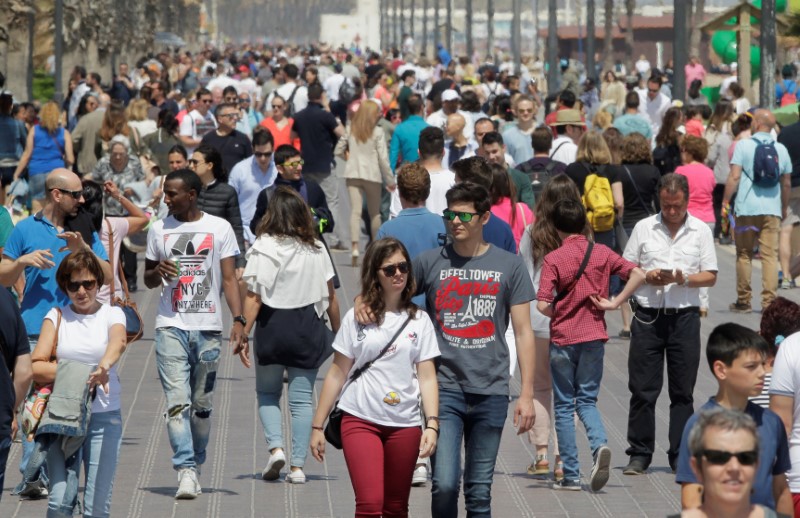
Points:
[(381, 461), (796, 501)]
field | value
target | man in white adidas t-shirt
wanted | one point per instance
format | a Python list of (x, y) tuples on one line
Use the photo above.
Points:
[(197, 122), (431, 152), (190, 255)]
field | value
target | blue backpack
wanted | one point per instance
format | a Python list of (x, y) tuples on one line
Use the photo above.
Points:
[(766, 167)]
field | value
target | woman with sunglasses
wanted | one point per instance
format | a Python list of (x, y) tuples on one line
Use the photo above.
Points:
[(289, 279), (279, 124), (91, 333), (381, 435)]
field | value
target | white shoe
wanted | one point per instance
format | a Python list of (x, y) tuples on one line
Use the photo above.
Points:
[(296, 477), (188, 485), (275, 464), (420, 477)]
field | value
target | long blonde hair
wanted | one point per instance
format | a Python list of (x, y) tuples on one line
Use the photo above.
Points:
[(137, 110), (593, 149), (49, 117), (364, 120)]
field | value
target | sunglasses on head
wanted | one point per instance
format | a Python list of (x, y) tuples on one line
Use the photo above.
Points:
[(465, 217), (75, 194), (390, 269), (262, 155), (73, 286), (720, 458)]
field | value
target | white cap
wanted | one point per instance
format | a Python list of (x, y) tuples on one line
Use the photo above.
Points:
[(450, 95), (734, 66)]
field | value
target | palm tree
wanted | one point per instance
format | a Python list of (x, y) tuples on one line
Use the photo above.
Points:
[(608, 41), (490, 28), (630, 6)]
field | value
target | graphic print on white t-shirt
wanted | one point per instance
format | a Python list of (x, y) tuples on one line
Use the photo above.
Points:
[(194, 251)]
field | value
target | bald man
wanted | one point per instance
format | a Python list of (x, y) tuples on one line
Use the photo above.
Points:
[(456, 142), (759, 208), (36, 247)]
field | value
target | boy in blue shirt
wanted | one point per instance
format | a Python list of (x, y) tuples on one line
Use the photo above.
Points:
[(736, 356)]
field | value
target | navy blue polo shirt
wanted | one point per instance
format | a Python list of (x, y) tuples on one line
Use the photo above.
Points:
[(315, 128)]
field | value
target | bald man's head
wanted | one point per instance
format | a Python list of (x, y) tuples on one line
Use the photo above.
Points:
[(763, 120), (63, 179), (104, 99), (455, 124)]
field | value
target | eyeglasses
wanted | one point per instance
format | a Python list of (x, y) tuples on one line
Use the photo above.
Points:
[(233, 100), (465, 217), (277, 106), (258, 154), (73, 286), (390, 269), (293, 164), (719, 457), (75, 194), (243, 101), (206, 101), (194, 162)]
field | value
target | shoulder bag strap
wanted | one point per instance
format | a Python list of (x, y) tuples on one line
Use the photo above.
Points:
[(111, 257), (563, 293), (556, 150), (55, 340), (636, 189), (361, 370), (291, 97)]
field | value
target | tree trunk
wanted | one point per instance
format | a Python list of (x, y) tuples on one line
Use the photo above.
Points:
[(608, 41), (630, 5), (694, 41), (490, 28)]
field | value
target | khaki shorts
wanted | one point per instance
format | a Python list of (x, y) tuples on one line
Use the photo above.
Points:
[(793, 212)]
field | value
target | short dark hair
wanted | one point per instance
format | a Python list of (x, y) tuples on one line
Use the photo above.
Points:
[(202, 92), (631, 100), (96, 77), (177, 148), (230, 89), (77, 261), (567, 98), (674, 183), (291, 70), (542, 139), (284, 153), (189, 178), (315, 92), (728, 341), (493, 137), (262, 136), (431, 142), (414, 182), (656, 79), (474, 169), (408, 73), (415, 104), (569, 217), (469, 192), (222, 106)]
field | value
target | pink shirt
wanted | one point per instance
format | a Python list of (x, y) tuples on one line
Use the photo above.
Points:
[(524, 216), (693, 72), (695, 127), (701, 186)]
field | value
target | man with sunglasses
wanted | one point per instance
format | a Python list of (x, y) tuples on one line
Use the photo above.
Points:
[(736, 356), (251, 176), (231, 96), (654, 104), (198, 122), (232, 145), (35, 248)]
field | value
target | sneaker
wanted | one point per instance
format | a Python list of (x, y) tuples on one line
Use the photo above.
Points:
[(188, 486), (786, 284), (740, 307), (567, 485), (636, 466), (296, 477), (33, 490), (420, 477), (275, 464), (600, 473)]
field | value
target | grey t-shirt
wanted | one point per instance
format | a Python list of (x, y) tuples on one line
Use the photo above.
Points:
[(469, 299)]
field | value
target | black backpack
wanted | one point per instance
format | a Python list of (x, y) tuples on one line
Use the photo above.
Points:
[(667, 159), (766, 164), (538, 174), (290, 112)]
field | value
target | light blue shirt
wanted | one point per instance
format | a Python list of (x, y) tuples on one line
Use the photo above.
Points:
[(41, 289), (248, 180), (405, 140), (755, 200), (518, 144)]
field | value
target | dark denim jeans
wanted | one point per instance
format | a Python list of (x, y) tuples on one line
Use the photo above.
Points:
[(577, 371), (479, 419), (5, 447)]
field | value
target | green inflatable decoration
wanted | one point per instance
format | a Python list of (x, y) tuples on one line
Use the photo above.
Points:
[(725, 45)]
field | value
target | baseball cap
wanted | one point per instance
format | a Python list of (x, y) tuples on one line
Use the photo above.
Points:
[(450, 95)]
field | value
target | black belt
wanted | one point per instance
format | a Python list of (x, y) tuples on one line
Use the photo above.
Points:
[(668, 311)]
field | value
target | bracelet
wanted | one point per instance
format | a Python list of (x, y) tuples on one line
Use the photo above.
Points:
[(317, 428), (432, 418), (434, 429)]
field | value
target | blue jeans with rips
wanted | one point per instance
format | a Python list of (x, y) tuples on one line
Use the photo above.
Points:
[(269, 385), (577, 371), (479, 419), (187, 366)]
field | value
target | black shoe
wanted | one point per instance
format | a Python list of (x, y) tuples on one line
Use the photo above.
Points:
[(636, 466), (567, 485), (740, 307), (600, 469)]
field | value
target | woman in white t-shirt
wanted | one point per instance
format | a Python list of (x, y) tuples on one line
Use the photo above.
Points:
[(94, 334), (380, 427)]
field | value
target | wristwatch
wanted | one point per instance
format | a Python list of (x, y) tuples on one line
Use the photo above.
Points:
[(241, 320)]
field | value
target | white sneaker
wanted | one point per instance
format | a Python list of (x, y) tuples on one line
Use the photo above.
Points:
[(275, 464), (296, 477), (420, 477), (188, 485)]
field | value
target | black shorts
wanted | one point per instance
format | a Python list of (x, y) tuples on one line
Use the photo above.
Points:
[(7, 175)]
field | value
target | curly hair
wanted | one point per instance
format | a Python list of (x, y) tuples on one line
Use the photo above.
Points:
[(781, 318), (371, 291), (636, 149), (695, 147), (544, 237), (414, 182)]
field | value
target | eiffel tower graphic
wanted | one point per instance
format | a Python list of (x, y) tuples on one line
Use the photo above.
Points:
[(468, 314)]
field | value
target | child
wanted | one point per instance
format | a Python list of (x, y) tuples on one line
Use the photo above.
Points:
[(572, 291), (694, 121), (779, 320), (736, 356)]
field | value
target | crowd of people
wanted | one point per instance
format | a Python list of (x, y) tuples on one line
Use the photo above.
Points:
[(478, 198)]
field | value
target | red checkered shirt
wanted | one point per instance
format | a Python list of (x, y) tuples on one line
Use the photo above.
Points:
[(575, 318)]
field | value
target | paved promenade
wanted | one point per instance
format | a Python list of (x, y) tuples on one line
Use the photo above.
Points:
[(232, 487)]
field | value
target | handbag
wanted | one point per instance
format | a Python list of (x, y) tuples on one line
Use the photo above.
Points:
[(133, 320), (333, 430), (36, 401)]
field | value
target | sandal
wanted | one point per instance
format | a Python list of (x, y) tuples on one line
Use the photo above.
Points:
[(541, 466), (558, 473)]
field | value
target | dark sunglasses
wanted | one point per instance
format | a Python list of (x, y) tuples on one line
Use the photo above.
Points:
[(293, 164), (75, 194), (391, 269), (465, 217), (262, 155), (192, 161), (73, 286), (277, 106), (244, 101), (720, 458), (206, 101)]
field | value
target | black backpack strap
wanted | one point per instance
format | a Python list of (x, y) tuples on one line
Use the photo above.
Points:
[(556, 149), (361, 370), (636, 189), (563, 293)]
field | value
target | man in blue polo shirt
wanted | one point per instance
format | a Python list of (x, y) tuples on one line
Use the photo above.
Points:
[(404, 146), (36, 247)]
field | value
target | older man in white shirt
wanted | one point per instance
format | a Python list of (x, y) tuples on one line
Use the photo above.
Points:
[(676, 250)]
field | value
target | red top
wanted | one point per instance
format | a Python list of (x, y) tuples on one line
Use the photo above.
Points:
[(281, 136), (576, 319)]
